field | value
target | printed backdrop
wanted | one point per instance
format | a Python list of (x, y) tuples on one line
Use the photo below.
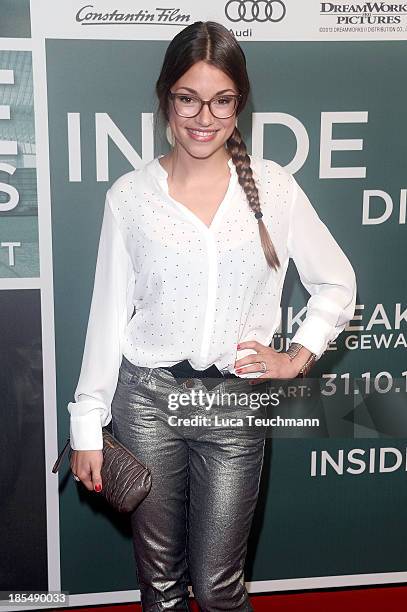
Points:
[(76, 107)]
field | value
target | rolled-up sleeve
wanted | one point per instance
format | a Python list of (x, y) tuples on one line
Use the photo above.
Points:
[(110, 311), (326, 273)]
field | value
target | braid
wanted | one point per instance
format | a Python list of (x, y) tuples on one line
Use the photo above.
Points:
[(237, 148)]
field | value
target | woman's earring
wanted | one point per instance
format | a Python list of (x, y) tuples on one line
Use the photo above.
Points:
[(170, 136)]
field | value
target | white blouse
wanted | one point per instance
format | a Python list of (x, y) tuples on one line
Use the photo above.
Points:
[(197, 291)]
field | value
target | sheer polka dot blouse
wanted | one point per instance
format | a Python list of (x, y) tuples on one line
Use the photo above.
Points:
[(168, 287)]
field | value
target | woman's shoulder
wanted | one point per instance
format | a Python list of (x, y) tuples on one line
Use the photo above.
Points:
[(265, 166), (270, 172), (130, 192), (133, 182)]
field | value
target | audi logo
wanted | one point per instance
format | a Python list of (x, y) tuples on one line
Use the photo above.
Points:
[(255, 10)]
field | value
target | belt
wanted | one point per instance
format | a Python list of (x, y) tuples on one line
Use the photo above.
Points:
[(183, 369)]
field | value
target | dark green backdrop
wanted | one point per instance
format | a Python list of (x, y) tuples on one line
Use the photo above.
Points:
[(304, 527)]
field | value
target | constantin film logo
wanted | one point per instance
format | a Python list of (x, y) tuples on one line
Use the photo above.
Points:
[(87, 15)]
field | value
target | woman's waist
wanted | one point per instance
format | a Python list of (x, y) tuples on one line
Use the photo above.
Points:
[(183, 375), (184, 369), (181, 368)]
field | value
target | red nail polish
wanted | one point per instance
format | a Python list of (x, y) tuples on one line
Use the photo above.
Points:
[(238, 346), (238, 370), (98, 488)]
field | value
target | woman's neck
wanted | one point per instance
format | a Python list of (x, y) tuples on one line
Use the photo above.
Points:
[(180, 165)]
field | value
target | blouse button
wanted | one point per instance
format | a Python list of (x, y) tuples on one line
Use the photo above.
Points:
[(189, 383)]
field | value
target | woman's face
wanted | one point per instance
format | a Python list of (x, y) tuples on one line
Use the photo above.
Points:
[(203, 135)]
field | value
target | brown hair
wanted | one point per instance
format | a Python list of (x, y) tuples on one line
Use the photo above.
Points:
[(213, 43)]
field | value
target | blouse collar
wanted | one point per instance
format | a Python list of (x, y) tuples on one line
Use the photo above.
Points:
[(161, 176)]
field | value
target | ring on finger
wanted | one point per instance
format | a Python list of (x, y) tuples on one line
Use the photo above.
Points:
[(76, 477), (263, 366)]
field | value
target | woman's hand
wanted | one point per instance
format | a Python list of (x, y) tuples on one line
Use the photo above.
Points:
[(86, 465), (278, 365)]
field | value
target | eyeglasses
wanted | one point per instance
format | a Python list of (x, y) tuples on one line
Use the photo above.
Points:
[(221, 107)]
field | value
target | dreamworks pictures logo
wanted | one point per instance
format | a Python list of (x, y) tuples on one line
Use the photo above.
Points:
[(364, 14)]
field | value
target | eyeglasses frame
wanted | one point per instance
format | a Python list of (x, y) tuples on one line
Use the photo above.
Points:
[(172, 95)]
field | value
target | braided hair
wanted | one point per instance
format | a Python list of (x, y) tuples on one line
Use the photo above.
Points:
[(212, 42)]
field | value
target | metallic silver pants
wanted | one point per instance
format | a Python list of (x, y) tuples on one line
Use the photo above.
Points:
[(193, 526)]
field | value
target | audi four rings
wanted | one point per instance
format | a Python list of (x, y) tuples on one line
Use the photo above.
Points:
[(255, 10)]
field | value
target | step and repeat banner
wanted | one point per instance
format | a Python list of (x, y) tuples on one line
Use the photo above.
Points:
[(77, 108)]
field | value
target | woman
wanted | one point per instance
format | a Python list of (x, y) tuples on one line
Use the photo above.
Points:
[(197, 243)]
